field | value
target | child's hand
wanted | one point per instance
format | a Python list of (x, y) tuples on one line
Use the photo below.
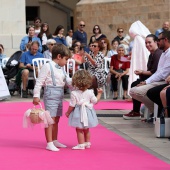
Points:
[(67, 114), (99, 90), (36, 100)]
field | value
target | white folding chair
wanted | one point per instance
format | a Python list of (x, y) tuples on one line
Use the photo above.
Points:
[(4, 61), (38, 63), (71, 65), (106, 87)]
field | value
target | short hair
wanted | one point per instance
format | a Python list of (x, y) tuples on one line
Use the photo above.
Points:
[(37, 18), (119, 29), (49, 41), (98, 27), (114, 40), (35, 42), (121, 46), (152, 36), (60, 49), (82, 79), (99, 45), (166, 34)]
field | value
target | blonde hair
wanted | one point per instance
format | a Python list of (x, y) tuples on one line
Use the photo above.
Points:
[(82, 80)]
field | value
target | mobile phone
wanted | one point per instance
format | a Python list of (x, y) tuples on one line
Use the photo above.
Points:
[(29, 39)]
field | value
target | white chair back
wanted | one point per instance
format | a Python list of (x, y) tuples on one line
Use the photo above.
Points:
[(71, 64), (4, 61), (38, 63), (107, 64)]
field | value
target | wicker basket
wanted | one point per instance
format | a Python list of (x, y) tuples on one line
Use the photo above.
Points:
[(34, 115)]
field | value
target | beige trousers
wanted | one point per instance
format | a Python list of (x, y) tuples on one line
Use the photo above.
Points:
[(139, 93)]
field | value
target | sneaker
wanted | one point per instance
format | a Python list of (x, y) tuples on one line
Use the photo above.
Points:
[(24, 94), (132, 116), (87, 144), (50, 146), (79, 147), (58, 144)]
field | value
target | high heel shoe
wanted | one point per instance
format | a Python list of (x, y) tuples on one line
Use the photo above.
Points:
[(125, 97), (115, 98)]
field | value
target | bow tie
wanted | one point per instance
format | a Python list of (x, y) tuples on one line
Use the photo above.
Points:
[(57, 66)]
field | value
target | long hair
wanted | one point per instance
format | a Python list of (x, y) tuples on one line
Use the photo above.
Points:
[(42, 31), (59, 27)]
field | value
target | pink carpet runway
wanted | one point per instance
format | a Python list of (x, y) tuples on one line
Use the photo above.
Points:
[(24, 149)]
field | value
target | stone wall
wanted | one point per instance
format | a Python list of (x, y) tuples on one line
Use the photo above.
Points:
[(111, 15)]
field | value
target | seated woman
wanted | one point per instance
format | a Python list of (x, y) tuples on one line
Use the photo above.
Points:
[(44, 35), (105, 46), (48, 53), (58, 35), (95, 61), (119, 68), (29, 39), (97, 34)]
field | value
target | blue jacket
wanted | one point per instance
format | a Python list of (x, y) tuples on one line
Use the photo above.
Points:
[(25, 41)]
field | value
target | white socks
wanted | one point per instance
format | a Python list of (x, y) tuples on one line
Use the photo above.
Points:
[(51, 147), (58, 144)]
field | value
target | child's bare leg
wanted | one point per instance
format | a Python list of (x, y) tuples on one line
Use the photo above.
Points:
[(55, 134), (87, 138), (48, 133), (80, 136), (55, 128)]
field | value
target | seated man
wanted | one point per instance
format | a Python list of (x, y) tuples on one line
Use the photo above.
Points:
[(26, 65), (165, 27), (151, 45), (158, 78)]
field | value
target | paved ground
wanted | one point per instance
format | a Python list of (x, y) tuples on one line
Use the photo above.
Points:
[(135, 131)]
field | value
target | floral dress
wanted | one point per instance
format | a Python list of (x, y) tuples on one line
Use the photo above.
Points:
[(97, 70)]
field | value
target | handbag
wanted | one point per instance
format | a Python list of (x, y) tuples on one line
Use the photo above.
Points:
[(162, 125), (37, 115)]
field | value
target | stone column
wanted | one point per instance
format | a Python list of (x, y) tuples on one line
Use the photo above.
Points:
[(12, 24)]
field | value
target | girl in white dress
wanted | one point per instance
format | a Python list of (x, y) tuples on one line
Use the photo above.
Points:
[(81, 114)]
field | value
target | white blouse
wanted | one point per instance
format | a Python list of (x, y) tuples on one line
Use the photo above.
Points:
[(45, 79)]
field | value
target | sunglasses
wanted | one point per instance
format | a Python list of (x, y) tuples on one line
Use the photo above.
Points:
[(103, 42), (53, 44), (82, 25), (159, 39), (120, 31), (96, 28), (94, 46)]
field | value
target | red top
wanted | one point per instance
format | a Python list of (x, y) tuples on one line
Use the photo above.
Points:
[(118, 64), (79, 58)]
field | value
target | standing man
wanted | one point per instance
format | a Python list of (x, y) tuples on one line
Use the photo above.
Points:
[(80, 34), (158, 78), (155, 53), (165, 27)]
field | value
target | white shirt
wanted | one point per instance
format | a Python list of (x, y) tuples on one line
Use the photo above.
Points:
[(69, 41), (163, 70), (45, 79)]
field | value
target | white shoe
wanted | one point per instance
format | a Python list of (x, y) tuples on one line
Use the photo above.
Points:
[(87, 144), (79, 146), (58, 144), (51, 147)]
